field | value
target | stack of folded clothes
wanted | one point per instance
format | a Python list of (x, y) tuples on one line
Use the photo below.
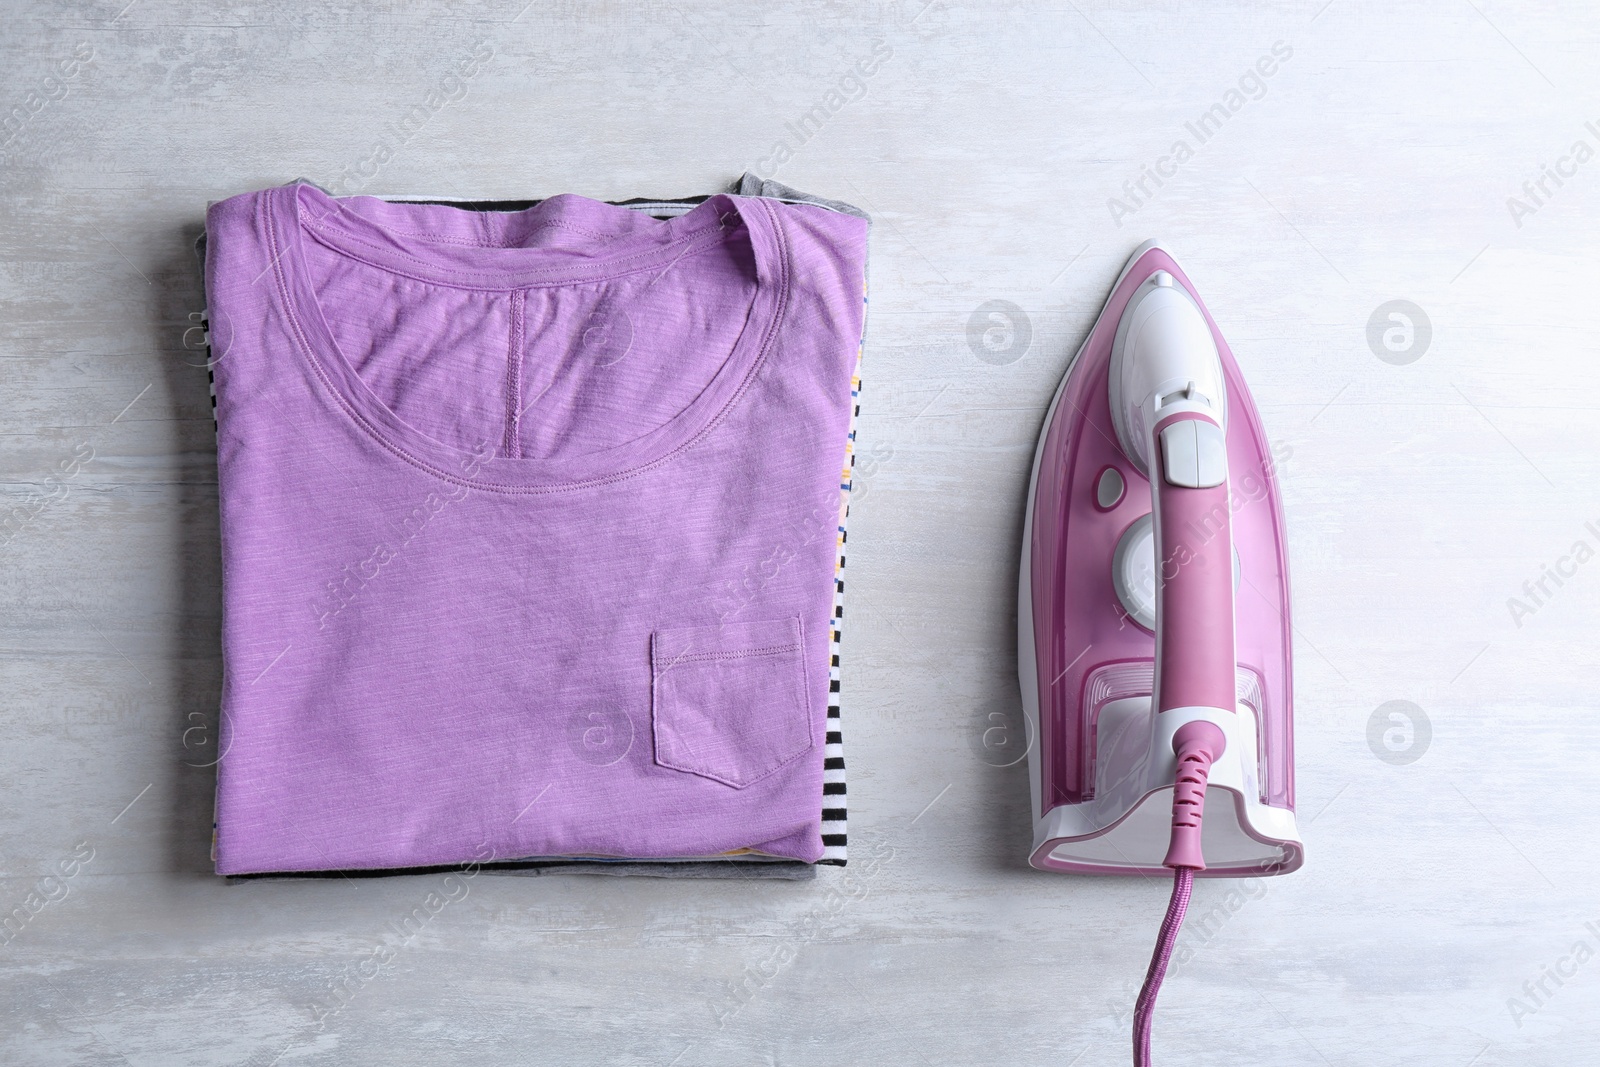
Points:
[(533, 530)]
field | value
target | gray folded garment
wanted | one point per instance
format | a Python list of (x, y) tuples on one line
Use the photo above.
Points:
[(834, 809)]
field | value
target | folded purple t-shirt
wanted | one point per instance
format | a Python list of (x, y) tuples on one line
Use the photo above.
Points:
[(527, 526)]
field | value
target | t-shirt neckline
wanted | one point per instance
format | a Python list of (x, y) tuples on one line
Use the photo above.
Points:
[(301, 211)]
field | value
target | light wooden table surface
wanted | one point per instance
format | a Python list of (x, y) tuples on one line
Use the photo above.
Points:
[(1451, 862)]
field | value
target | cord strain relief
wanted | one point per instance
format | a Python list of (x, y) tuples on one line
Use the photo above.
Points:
[(1197, 745)]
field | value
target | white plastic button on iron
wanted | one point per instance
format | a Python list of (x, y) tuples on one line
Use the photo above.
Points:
[(1180, 455), (1194, 454), (1211, 450)]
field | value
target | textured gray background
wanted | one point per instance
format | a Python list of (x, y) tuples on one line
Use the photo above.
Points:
[(1420, 497)]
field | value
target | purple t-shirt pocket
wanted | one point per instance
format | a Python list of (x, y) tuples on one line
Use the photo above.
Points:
[(730, 701)]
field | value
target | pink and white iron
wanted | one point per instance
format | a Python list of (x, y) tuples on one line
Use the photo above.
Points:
[(1153, 624)]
